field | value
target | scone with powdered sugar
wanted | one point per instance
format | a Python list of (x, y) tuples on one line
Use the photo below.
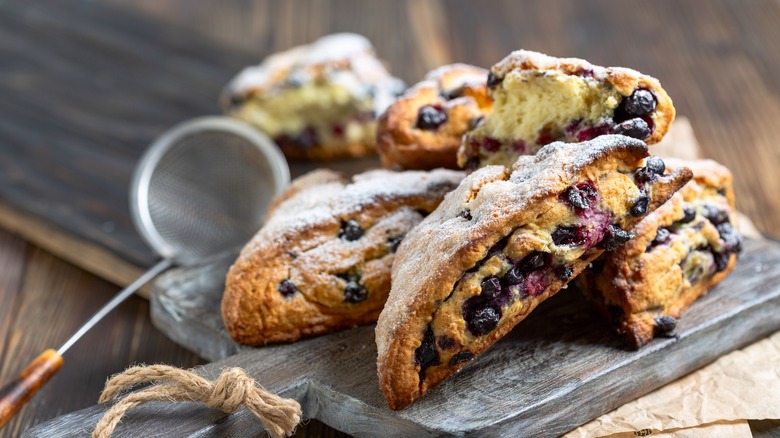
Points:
[(423, 128), (318, 101), (500, 244), (322, 260), (539, 99), (680, 251)]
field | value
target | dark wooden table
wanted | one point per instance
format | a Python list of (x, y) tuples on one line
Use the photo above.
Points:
[(719, 60)]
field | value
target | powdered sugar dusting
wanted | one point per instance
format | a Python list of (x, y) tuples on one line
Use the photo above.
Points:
[(344, 58), (529, 60), (434, 254), (453, 76), (332, 198)]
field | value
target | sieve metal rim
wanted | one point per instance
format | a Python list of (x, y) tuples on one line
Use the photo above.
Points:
[(139, 187)]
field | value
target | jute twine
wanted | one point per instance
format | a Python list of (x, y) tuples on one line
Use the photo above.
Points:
[(232, 389)]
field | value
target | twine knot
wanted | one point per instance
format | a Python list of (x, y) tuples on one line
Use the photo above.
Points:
[(231, 390)]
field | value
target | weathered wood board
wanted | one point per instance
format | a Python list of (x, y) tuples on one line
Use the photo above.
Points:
[(559, 368)]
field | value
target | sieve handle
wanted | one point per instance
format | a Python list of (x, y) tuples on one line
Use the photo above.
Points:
[(15, 394)]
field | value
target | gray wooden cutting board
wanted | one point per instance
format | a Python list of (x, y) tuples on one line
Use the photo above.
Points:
[(556, 370)]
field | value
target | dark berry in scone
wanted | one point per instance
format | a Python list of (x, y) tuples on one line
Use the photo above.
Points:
[(423, 128), (322, 260), (680, 251), (318, 101), (461, 282), (540, 99)]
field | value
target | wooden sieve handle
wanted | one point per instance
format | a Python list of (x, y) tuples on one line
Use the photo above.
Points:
[(18, 392)]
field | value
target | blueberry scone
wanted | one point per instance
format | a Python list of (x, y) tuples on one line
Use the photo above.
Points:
[(322, 260), (317, 101), (499, 245), (539, 99), (680, 251), (423, 128)]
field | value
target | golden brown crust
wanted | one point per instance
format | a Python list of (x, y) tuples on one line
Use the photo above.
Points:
[(304, 274), (655, 277), (459, 90), (435, 255)]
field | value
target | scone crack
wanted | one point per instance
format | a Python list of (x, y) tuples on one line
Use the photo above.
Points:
[(515, 241)]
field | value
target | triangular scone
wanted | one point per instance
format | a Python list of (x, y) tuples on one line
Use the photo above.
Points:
[(424, 127), (680, 251), (322, 260), (317, 101), (539, 99), (500, 244)]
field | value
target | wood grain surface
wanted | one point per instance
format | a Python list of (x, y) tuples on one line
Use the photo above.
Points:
[(543, 379), (44, 300), (86, 86)]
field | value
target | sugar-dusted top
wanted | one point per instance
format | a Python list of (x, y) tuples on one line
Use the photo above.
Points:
[(624, 79), (456, 75), (344, 58), (438, 250), (324, 195)]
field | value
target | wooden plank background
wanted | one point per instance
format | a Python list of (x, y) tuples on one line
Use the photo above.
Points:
[(86, 86)]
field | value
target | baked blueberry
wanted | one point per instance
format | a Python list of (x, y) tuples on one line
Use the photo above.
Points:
[(664, 323), (491, 287), (714, 214), (533, 261), (424, 127), (636, 128), (662, 237), (564, 272), (514, 275), (581, 196), (287, 288), (531, 231), (430, 117), (544, 99), (351, 230), (689, 213), (463, 356), (493, 80), (313, 268), (354, 292), (681, 250), (641, 102), (426, 354), (482, 320), (568, 235), (640, 205), (393, 242), (615, 238), (655, 165)]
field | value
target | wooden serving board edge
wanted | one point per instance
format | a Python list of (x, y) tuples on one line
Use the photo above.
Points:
[(660, 362), (89, 256)]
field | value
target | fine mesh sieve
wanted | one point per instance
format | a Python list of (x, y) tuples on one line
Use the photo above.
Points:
[(201, 189), (204, 187)]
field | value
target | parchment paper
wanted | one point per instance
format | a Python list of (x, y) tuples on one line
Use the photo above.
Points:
[(715, 401), (742, 385)]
